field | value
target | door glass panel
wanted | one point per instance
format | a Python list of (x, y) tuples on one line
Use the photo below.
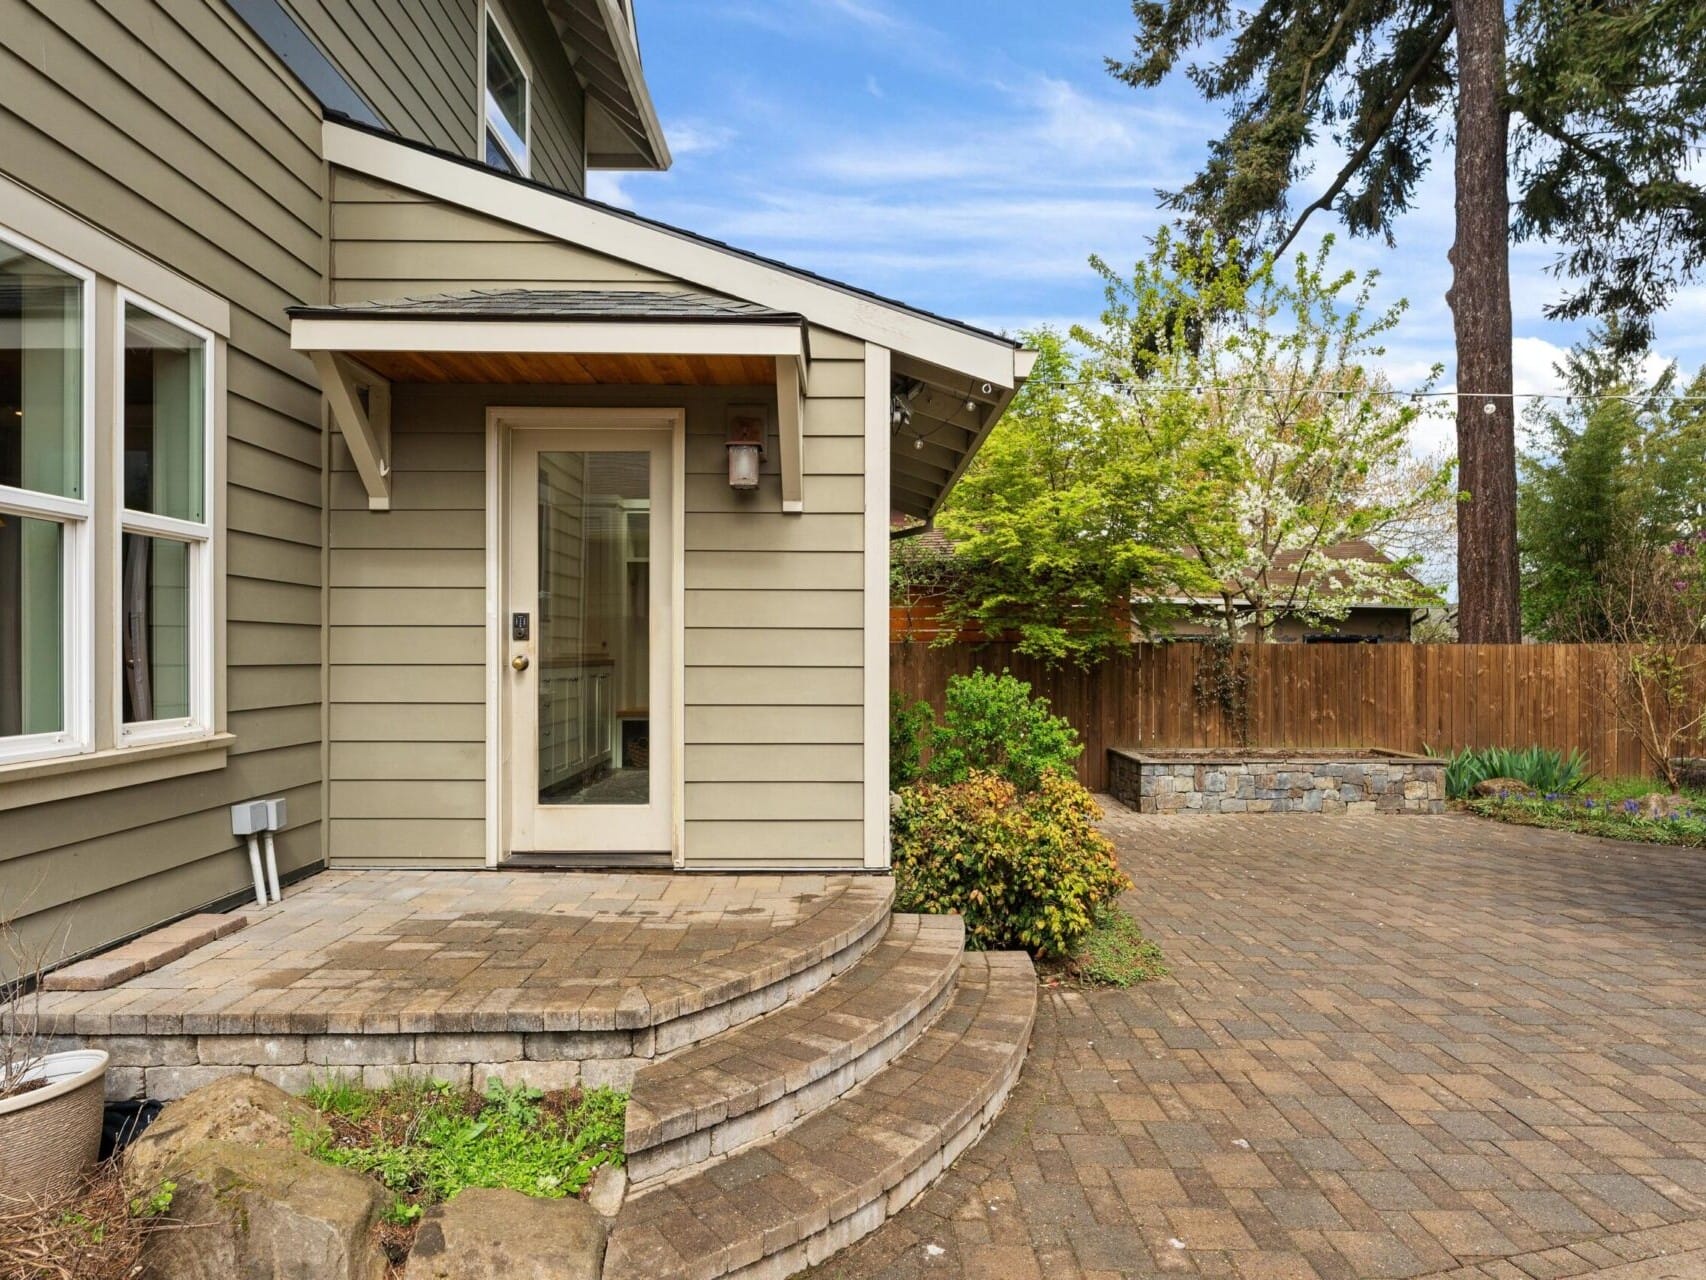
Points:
[(593, 623), (32, 627)]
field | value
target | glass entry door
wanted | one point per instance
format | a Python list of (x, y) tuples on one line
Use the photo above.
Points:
[(587, 626)]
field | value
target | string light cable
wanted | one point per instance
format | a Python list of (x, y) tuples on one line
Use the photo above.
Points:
[(1489, 398)]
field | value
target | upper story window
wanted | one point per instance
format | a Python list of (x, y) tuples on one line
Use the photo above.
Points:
[(505, 91)]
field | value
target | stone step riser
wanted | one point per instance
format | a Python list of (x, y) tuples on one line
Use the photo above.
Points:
[(684, 1156), (836, 1235), (167, 1066), (779, 1206), (681, 1033)]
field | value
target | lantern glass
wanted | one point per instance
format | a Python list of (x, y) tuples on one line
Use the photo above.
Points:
[(743, 466)]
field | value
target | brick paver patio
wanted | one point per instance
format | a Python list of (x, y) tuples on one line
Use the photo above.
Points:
[(1390, 1047)]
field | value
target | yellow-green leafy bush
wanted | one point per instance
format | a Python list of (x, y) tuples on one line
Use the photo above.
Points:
[(1024, 869)]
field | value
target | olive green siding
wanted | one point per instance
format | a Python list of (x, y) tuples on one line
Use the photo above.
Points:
[(773, 638), (774, 685), (391, 243), (417, 64), (170, 127)]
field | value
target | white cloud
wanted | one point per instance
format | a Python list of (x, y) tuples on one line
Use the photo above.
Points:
[(693, 137), (610, 187), (865, 13)]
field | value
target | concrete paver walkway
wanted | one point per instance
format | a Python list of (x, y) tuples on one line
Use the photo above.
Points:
[(1390, 1047)]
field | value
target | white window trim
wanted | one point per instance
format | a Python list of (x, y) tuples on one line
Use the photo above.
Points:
[(198, 536), (491, 14), (75, 517)]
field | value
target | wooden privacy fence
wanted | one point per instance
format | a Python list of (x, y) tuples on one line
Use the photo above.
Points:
[(1402, 697)]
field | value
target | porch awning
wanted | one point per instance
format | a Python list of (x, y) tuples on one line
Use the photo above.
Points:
[(572, 336)]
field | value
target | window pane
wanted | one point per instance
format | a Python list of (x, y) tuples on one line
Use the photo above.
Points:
[(156, 618), (165, 371), (495, 154), (506, 94), (32, 626), (41, 376)]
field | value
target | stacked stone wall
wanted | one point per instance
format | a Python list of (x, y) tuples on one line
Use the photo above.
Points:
[(1386, 784)]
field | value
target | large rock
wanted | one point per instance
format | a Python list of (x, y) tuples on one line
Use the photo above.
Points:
[(238, 1109), (504, 1235), (265, 1213), (1503, 788), (1658, 806)]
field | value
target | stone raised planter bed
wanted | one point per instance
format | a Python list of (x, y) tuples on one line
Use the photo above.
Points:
[(1256, 780)]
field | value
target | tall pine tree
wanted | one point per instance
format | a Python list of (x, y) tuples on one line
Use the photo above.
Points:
[(1591, 109)]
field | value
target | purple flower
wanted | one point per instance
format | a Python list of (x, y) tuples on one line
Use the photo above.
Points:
[(1631, 806)]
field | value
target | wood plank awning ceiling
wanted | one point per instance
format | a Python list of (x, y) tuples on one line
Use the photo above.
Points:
[(662, 370)]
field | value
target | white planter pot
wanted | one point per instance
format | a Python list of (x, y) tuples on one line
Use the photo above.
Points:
[(51, 1136)]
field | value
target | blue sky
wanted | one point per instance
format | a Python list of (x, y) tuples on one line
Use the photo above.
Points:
[(968, 156)]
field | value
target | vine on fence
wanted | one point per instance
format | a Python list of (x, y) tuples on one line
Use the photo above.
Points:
[(1222, 684)]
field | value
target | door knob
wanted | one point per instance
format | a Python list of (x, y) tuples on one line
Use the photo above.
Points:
[(519, 662)]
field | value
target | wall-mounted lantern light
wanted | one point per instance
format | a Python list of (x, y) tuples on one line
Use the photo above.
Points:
[(746, 445)]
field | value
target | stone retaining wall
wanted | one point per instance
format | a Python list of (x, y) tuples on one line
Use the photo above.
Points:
[(1155, 783)]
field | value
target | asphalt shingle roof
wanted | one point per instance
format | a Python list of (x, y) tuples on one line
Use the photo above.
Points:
[(638, 306)]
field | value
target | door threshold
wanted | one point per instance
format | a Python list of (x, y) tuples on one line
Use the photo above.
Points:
[(588, 862)]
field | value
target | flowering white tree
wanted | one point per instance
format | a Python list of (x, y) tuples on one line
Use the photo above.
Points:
[(1304, 447)]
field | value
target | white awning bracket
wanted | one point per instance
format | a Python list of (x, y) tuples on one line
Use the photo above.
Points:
[(366, 427), (790, 430)]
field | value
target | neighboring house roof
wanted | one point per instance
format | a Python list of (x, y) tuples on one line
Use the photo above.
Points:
[(1289, 565), (638, 306), (923, 537)]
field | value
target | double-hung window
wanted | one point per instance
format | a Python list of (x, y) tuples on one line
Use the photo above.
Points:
[(46, 540), (108, 602), (504, 98), (165, 529)]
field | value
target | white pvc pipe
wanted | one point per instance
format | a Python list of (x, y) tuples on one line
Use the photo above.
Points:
[(272, 869), (255, 869)]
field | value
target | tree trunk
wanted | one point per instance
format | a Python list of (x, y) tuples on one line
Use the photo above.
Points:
[(1480, 299)]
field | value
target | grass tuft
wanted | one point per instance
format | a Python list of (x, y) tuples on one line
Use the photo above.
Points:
[(1614, 820), (1116, 954), (425, 1140), (94, 1232)]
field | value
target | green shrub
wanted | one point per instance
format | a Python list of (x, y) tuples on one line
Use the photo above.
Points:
[(908, 726), (1540, 768), (1023, 868), (991, 724)]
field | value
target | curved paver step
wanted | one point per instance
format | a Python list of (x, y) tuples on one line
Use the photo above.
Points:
[(757, 1079), (789, 1202)]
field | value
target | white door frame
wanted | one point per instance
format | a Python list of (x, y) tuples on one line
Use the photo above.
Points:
[(501, 421)]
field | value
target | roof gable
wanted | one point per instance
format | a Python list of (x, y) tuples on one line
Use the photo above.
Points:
[(664, 253)]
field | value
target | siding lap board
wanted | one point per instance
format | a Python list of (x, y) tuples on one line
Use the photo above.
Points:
[(171, 128), (774, 643)]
